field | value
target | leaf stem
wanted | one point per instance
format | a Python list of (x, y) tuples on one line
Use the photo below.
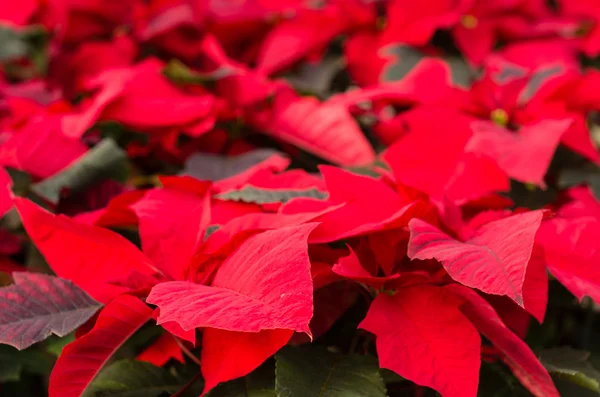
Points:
[(186, 351)]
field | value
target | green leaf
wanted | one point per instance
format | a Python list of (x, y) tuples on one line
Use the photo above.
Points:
[(572, 365), (250, 194), (178, 72), (309, 372), (13, 45), (105, 160), (54, 344), (13, 362), (130, 378)]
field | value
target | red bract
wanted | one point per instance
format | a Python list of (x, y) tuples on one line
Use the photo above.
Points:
[(486, 261), (81, 360), (254, 298), (430, 342), (274, 196)]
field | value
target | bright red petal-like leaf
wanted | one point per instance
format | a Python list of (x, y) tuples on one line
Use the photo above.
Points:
[(422, 336), (162, 350), (432, 159), (535, 287), (227, 355), (265, 284), (516, 354), (95, 256), (571, 252), (38, 305), (351, 268), (40, 148), (81, 360), (524, 156), (171, 224), (494, 259), (326, 130)]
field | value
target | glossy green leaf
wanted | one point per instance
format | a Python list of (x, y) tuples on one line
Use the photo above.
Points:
[(130, 378), (572, 365), (311, 372)]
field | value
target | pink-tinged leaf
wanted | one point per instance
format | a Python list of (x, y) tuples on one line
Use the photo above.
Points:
[(493, 259), (423, 337), (228, 355), (525, 155), (38, 305), (572, 254), (95, 257), (162, 350), (326, 130), (265, 284), (81, 360), (6, 195), (516, 354), (171, 225)]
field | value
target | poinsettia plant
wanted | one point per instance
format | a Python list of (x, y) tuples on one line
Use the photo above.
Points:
[(293, 198)]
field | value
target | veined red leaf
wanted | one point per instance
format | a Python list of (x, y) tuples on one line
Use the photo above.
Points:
[(96, 256), (525, 155), (172, 225), (38, 305), (265, 284), (423, 337), (324, 129), (493, 259), (227, 355), (516, 354), (571, 252), (81, 360)]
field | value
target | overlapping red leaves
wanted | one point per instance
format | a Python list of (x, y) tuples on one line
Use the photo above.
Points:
[(248, 252)]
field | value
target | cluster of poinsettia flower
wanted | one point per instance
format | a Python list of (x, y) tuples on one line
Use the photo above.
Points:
[(244, 254)]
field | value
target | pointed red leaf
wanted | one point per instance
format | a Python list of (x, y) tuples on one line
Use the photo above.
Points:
[(265, 284), (326, 130), (81, 360), (493, 259), (38, 305), (40, 148), (351, 268), (423, 337), (525, 155), (227, 355), (162, 350), (95, 257), (535, 287), (172, 225), (571, 252), (516, 354)]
